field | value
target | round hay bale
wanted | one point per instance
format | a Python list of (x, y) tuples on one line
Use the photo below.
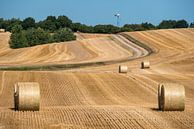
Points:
[(16, 99), (27, 96), (2, 30), (145, 65), (123, 69), (159, 96), (172, 97)]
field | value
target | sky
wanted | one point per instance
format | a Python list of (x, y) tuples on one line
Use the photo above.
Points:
[(92, 12)]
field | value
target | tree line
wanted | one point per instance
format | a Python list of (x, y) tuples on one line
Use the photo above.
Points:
[(29, 33), (52, 24), (61, 28), (36, 36)]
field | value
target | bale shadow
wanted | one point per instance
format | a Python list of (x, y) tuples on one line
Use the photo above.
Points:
[(155, 109), (13, 109)]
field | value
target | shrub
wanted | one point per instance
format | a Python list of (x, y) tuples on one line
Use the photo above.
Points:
[(28, 23), (167, 24), (31, 37), (192, 25), (37, 36), (63, 34), (110, 29), (18, 38), (181, 24), (134, 27), (63, 21), (148, 26)]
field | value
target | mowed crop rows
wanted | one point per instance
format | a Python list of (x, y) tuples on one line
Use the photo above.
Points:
[(89, 49), (89, 100), (99, 97), (173, 51), (169, 45)]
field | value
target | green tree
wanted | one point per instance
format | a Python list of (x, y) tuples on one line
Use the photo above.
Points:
[(18, 39), (9, 24), (134, 27), (192, 25), (148, 26), (106, 29), (75, 27), (181, 24), (63, 34), (63, 21), (1, 22), (28, 23), (37, 36), (82, 28), (167, 24), (86, 29), (52, 18), (48, 25), (5, 24), (126, 29), (16, 29)]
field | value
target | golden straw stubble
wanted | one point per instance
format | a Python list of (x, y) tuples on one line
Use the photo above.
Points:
[(172, 97), (27, 96)]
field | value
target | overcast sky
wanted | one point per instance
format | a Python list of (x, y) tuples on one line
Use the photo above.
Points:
[(94, 12)]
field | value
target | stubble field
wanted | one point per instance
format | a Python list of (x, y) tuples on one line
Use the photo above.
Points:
[(100, 97)]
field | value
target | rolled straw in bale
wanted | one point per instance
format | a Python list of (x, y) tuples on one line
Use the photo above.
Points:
[(27, 96), (145, 65), (2, 30), (16, 95), (123, 69), (159, 96), (172, 97)]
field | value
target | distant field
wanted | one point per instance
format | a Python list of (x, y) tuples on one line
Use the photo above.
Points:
[(88, 48), (100, 97)]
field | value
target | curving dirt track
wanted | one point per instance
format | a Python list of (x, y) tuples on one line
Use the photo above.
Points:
[(99, 97), (89, 49)]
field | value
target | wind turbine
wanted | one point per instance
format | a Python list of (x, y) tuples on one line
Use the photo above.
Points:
[(117, 15)]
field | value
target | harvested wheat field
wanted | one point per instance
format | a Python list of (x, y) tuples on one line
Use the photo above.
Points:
[(90, 49), (98, 96)]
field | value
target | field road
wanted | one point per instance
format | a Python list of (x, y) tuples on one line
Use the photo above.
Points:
[(137, 50), (90, 49), (98, 97)]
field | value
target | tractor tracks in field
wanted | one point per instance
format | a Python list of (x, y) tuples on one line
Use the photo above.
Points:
[(147, 83), (2, 81), (138, 49)]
